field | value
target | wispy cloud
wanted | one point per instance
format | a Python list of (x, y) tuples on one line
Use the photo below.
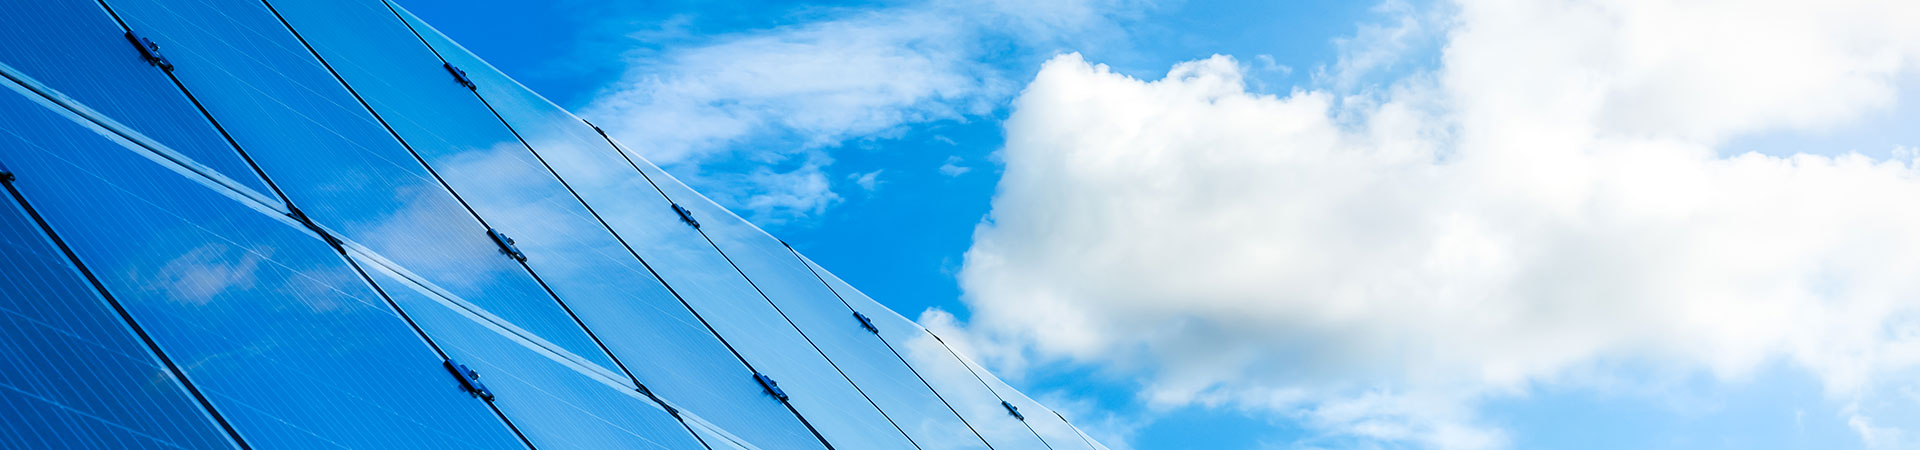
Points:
[(869, 181), (952, 168), (787, 92)]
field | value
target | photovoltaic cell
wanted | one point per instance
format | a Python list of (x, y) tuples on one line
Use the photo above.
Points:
[(77, 49), (551, 404), (822, 393), (931, 361), (336, 162), (1058, 434), (830, 325), (72, 374), (612, 291), (425, 160), (287, 342)]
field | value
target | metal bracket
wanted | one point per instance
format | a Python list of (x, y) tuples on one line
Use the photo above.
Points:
[(506, 245), (1013, 410), (301, 216), (6, 175), (656, 400), (772, 387), (685, 215), (150, 52), (866, 322), (459, 76), (469, 380)]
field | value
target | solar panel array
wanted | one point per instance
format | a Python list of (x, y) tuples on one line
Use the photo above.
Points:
[(323, 224)]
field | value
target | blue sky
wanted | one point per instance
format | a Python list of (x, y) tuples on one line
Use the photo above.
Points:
[(1363, 225)]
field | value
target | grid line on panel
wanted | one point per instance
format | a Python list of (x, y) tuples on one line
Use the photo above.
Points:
[(125, 317), (422, 334), (896, 352), (244, 200), (197, 106), (623, 242), (422, 289), (1076, 430), (443, 183), (683, 302), (292, 211), (464, 80), (763, 296), (989, 386), (155, 150)]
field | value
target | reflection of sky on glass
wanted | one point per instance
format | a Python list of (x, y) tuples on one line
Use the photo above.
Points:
[(826, 322), (235, 296), (932, 362), (332, 159)]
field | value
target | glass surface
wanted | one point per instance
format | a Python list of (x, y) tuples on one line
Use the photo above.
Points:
[(715, 441), (335, 161), (820, 390), (287, 342), (612, 292), (1044, 422), (827, 322), (1089, 438), (551, 404), (720, 296), (932, 362), (76, 48), (72, 375)]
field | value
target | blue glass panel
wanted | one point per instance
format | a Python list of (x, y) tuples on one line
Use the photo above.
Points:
[(715, 441), (689, 263), (551, 404), (724, 299), (287, 342), (76, 48), (613, 293), (72, 375), (1089, 438), (931, 360), (336, 162), (1044, 422), (827, 322)]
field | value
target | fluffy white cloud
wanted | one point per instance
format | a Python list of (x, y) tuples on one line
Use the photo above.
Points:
[(1549, 200), (779, 95)]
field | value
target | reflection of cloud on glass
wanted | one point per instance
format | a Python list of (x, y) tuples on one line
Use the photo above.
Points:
[(415, 234), (931, 360), (197, 276), (319, 291), (539, 205)]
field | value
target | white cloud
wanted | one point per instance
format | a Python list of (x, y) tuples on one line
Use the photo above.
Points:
[(952, 168), (789, 91), (869, 181), (1549, 200), (783, 195), (1376, 47)]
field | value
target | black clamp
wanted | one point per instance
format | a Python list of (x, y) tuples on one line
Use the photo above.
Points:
[(469, 380), (866, 322), (459, 76), (150, 52), (771, 387), (685, 215), (506, 245)]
